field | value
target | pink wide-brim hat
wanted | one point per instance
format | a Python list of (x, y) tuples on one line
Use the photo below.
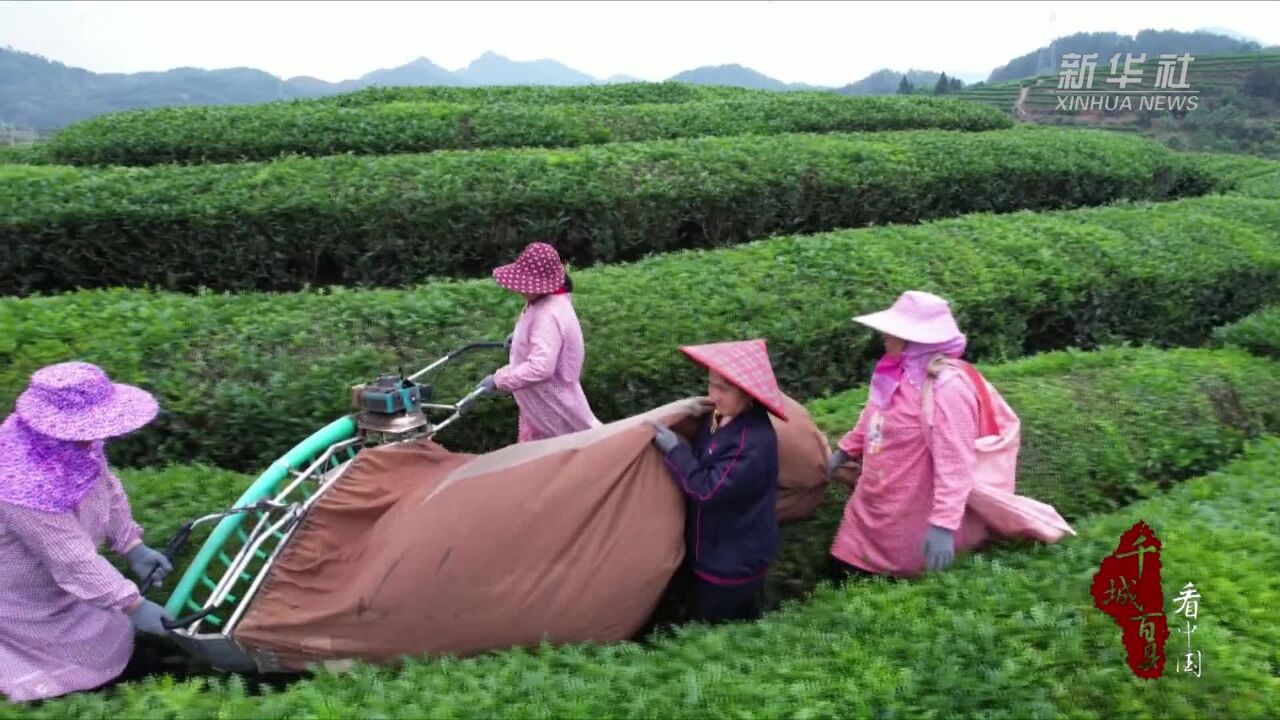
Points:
[(916, 316), (538, 271), (746, 365), (77, 401)]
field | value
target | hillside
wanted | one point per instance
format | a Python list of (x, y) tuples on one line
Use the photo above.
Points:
[(1047, 60), (885, 82), (1236, 107), (42, 95)]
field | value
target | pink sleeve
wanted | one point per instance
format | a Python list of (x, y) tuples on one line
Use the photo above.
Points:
[(123, 534), (955, 428), (540, 364), (853, 441), (71, 557)]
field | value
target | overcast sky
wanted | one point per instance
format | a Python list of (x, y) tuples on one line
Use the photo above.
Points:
[(823, 43)]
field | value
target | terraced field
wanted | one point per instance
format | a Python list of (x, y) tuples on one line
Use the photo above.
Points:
[(1212, 76), (1001, 96), (1122, 296)]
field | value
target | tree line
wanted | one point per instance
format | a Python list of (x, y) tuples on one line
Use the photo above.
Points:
[(943, 86)]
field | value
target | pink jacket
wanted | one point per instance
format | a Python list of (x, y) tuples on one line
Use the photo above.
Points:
[(547, 356), (63, 626), (920, 470), (905, 486)]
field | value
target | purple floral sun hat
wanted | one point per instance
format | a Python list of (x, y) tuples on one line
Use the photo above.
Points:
[(77, 401)]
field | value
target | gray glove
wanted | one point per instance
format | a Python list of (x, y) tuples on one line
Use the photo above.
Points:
[(507, 344), (150, 618), (837, 458), (144, 560), (664, 439), (939, 548), (488, 385)]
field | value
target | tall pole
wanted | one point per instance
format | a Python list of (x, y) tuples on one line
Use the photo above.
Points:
[(1053, 39)]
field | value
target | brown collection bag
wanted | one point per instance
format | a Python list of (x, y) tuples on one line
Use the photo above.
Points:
[(417, 550), (802, 463)]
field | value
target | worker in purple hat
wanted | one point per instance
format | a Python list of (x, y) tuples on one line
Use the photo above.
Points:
[(67, 616)]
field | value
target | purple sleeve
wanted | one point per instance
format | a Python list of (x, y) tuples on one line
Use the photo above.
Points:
[(71, 556)]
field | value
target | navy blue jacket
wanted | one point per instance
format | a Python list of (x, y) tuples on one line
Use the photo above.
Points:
[(730, 483)]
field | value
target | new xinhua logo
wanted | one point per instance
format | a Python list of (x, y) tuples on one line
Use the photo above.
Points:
[(1170, 90)]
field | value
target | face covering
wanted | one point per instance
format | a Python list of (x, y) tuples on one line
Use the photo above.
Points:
[(44, 473), (911, 363)]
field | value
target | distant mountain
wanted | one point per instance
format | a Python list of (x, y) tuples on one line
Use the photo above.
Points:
[(738, 76), (885, 82), (41, 94), (304, 86), (493, 69), (1048, 60), (1228, 32), (419, 72)]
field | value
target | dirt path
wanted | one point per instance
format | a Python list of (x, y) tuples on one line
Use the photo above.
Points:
[(1018, 109)]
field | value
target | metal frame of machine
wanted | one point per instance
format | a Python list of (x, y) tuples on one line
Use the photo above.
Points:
[(390, 410)]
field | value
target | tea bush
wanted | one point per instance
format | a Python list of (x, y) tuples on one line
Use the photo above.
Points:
[(1011, 633), (1266, 186), (232, 133), (245, 377), (397, 220), (1241, 168), (23, 154), (1252, 176), (636, 93), (1258, 333)]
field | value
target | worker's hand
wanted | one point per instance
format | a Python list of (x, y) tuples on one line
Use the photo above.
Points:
[(837, 458), (664, 439), (939, 548), (149, 617), (699, 407), (488, 385), (507, 344), (144, 561)]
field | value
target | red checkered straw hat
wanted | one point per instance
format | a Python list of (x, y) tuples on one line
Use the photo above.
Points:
[(537, 271), (746, 365)]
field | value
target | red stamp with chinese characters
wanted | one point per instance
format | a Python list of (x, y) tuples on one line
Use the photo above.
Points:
[(1127, 587)]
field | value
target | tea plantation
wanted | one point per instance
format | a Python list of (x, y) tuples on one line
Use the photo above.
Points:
[(249, 264)]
